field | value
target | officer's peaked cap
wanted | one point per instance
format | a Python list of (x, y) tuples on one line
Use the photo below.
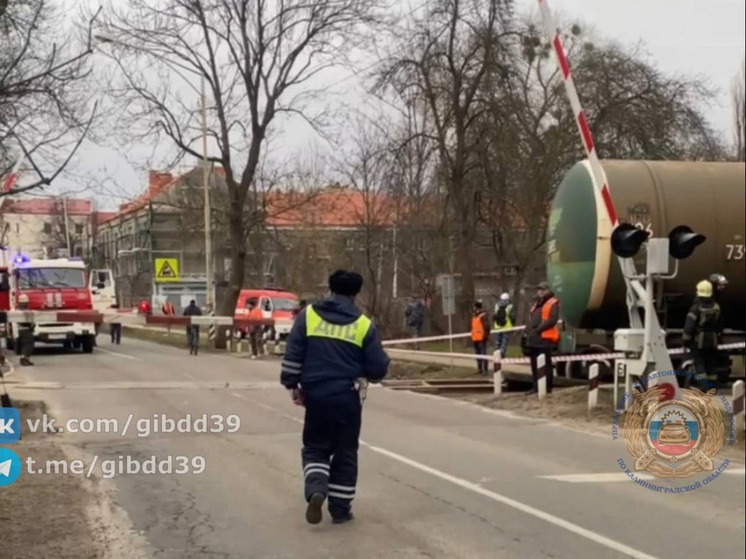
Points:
[(347, 283)]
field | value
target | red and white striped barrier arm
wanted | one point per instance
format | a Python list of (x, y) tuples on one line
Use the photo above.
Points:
[(130, 318), (581, 120)]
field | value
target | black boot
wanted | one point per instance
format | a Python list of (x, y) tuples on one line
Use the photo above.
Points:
[(313, 511), (342, 519)]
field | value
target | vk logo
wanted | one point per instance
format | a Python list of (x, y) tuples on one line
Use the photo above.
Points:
[(10, 467), (10, 425)]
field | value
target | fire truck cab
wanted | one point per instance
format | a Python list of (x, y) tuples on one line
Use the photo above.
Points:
[(51, 285)]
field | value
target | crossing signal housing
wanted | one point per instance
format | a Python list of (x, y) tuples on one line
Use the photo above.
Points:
[(627, 239), (682, 241)]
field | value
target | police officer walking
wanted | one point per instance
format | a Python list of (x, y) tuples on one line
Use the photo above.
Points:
[(331, 346), (702, 329)]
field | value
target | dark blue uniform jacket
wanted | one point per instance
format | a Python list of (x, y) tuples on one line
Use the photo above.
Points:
[(326, 367)]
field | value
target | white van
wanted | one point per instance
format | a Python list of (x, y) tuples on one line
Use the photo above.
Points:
[(103, 290)]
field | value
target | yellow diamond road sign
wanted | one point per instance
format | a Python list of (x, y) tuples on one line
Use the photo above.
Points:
[(167, 269)]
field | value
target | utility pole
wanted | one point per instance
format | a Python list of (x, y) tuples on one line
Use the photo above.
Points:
[(210, 299), (67, 227)]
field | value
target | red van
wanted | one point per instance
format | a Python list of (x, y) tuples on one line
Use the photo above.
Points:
[(275, 303)]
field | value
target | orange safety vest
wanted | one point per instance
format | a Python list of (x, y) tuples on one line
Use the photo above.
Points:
[(256, 314), (552, 334), (477, 328)]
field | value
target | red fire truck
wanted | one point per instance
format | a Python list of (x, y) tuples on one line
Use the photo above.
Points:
[(50, 285)]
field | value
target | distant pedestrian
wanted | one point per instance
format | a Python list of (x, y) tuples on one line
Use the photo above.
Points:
[(504, 319), (480, 333), (25, 333), (256, 331), (193, 329), (115, 328), (542, 334), (415, 315)]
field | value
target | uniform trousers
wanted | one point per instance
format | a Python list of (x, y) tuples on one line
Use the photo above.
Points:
[(331, 434)]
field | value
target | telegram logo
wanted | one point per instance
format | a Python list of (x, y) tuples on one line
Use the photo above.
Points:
[(10, 467)]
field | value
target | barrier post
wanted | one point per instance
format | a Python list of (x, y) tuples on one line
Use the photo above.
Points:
[(738, 404), (541, 364), (497, 373), (593, 383)]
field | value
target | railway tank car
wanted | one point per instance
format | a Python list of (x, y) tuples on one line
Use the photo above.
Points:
[(656, 196)]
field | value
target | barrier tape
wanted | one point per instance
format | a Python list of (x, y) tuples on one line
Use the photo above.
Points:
[(557, 358), (446, 337)]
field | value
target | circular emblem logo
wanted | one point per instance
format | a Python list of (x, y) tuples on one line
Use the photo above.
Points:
[(673, 438)]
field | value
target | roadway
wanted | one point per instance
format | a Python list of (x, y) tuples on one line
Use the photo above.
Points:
[(438, 478)]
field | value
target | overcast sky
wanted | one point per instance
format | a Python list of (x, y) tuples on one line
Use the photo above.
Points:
[(702, 38)]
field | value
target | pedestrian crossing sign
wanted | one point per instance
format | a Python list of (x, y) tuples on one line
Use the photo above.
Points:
[(167, 270)]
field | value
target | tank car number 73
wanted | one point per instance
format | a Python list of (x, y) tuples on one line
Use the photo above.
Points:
[(734, 252)]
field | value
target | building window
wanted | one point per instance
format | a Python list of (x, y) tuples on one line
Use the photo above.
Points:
[(78, 228), (47, 228), (349, 243)]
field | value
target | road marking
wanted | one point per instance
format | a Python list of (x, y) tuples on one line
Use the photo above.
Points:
[(547, 517), (619, 476), (119, 354)]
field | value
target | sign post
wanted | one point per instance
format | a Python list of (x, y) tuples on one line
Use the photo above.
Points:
[(449, 307)]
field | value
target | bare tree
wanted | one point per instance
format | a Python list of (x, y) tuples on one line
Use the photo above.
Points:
[(365, 163), (738, 96), (44, 109), (259, 60), (444, 58)]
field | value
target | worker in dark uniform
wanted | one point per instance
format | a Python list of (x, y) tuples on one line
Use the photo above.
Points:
[(719, 283), (25, 333), (702, 330), (333, 349), (192, 330)]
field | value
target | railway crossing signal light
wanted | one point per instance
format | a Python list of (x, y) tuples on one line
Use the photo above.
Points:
[(682, 241), (627, 239)]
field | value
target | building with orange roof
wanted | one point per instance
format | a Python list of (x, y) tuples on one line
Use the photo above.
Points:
[(396, 243)]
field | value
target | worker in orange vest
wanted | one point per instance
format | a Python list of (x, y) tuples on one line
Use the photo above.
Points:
[(480, 333), (168, 308), (542, 333), (255, 330)]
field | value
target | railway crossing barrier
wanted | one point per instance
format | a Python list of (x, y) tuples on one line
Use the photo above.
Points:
[(738, 404)]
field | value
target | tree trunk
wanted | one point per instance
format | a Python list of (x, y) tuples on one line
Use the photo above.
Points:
[(238, 263)]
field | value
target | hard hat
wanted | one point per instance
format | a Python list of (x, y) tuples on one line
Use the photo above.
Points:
[(718, 280), (704, 289), (505, 297), (23, 298)]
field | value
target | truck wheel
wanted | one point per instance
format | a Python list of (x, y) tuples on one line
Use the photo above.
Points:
[(87, 344), (67, 346)]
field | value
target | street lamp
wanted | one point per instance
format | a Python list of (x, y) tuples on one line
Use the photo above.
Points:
[(209, 283)]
